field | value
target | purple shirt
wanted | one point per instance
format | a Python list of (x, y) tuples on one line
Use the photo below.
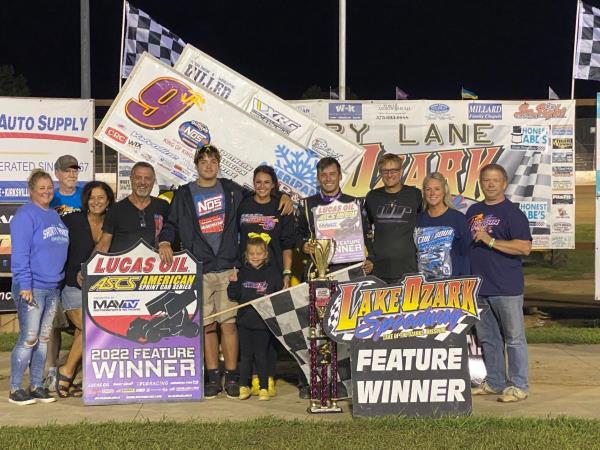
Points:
[(502, 274)]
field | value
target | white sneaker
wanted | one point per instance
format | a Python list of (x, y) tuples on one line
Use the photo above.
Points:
[(513, 394), (484, 389)]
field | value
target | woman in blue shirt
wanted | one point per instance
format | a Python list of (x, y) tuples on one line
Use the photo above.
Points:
[(39, 250), (438, 211)]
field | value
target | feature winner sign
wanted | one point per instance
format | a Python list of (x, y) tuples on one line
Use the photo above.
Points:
[(142, 328), (408, 343)]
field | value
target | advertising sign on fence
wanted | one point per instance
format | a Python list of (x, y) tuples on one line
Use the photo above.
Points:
[(532, 140), (142, 328), (34, 132)]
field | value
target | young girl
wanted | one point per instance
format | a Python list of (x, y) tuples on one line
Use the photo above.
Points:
[(256, 278)]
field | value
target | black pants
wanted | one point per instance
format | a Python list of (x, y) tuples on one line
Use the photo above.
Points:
[(254, 348)]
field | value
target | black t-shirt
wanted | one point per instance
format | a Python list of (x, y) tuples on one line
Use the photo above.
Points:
[(81, 245), (127, 224), (394, 217), (260, 218), (252, 284)]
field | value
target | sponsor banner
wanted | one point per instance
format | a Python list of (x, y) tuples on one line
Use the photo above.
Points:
[(7, 212), (34, 132), (563, 199), (562, 143), (562, 157), (6, 300), (537, 213), (142, 328), (457, 138), (179, 107), (271, 110), (341, 222), (408, 343), (563, 212)]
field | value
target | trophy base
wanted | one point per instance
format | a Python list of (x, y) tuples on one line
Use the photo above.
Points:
[(316, 408)]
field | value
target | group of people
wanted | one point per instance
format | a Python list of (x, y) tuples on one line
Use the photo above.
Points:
[(245, 241)]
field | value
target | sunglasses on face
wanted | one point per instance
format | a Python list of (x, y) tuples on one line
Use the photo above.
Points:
[(142, 218)]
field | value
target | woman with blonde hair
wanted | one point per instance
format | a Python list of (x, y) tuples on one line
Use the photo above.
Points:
[(39, 250), (439, 214)]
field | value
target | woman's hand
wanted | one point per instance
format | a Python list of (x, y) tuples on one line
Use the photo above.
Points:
[(165, 252), (79, 279), (286, 205), (286, 281), (26, 295), (233, 275)]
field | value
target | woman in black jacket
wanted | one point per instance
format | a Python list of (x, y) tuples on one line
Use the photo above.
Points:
[(85, 229)]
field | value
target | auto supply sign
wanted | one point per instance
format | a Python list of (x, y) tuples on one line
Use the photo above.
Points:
[(34, 132), (533, 140), (142, 328)]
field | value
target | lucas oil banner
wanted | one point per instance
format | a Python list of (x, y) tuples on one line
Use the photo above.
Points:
[(142, 328), (533, 140), (408, 344), (34, 132), (270, 109), (161, 117)]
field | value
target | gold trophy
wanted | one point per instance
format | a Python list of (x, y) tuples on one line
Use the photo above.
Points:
[(323, 370), (321, 256)]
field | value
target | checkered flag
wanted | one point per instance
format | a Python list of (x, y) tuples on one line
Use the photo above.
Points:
[(145, 35), (587, 51), (286, 315), (532, 178)]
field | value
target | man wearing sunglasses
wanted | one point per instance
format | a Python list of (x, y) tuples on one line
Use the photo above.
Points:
[(204, 215), (392, 212), (138, 216)]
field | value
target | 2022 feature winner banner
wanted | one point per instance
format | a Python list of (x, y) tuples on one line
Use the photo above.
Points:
[(34, 132), (270, 109), (533, 140), (161, 116), (142, 328)]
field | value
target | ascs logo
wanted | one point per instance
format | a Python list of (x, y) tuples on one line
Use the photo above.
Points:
[(116, 135), (194, 134), (345, 111)]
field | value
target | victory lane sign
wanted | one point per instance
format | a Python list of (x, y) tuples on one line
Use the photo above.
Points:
[(142, 327), (408, 343)]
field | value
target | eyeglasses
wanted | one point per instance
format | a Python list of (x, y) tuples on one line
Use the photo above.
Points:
[(142, 218), (389, 171)]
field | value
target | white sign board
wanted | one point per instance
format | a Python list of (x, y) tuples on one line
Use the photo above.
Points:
[(35, 132), (272, 110), (533, 140)]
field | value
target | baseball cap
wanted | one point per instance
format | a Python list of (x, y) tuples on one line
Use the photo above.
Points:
[(66, 162)]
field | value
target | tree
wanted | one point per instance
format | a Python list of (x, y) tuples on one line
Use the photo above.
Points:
[(314, 92), (12, 85)]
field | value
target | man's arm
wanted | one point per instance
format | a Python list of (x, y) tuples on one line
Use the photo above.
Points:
[(517, 247), (104, 243)]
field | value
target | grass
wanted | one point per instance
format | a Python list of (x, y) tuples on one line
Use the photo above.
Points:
[(272, 433), (579, 263), (556, 334), (8, 341)]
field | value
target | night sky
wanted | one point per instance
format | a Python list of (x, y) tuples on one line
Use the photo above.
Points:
[(429, 48)]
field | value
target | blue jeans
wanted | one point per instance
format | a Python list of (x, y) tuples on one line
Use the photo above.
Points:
[(501, 330), (35, 326)]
